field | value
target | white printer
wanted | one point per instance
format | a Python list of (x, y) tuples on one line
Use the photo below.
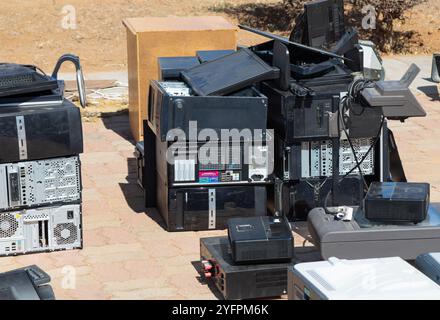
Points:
[(368, 279)]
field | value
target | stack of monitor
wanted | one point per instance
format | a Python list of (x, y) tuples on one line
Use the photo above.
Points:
[(205, 154), (40, 170)]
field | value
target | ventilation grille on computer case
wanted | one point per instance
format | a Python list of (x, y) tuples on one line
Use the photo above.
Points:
[(270, 279), (65, 233), (8, 225), (51, 181), (317, 157)]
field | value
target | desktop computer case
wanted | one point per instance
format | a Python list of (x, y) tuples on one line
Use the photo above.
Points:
[(208, 208), (43, 132), (40, 183), (41, 230), (233, 169), (175, 107), (314, 159), (298, 198)]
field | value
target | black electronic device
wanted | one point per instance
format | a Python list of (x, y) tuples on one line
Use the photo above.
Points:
[(322, 74), (322, 24), (315, 159), (205, 208), (229, 74), (260, 240), (139, 154), (173, 106), (171, 67), (29, 283), (304, 49), (346, 44), (240, 282), (220, 162), (41, 132), (149, 180), (435, 70), (26, 85), (397, 202), (297, 198), (34, 99), (209, 55), (281, 60), (306, 115), (18, 79), (309, 109)]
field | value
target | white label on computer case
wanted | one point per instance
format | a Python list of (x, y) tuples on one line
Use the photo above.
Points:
[(184, 170)]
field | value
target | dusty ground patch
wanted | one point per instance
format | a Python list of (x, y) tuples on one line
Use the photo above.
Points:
[(30, 30)]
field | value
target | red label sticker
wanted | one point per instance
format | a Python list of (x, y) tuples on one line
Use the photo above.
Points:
[(208, 174)]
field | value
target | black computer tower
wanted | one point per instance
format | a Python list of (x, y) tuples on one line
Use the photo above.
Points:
[(299, 197), (208, 208), (173, 105), (34, 133), (187, 163)]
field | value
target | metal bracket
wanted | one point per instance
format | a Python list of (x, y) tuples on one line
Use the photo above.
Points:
[(21, 138), (212, 209)]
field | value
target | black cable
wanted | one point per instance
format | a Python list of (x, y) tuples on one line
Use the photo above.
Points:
[(354, 90), (358, 164), (369, 150)]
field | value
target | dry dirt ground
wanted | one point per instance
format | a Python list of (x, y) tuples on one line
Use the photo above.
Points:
[(31, 32)]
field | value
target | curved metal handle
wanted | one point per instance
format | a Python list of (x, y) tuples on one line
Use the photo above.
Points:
[(79, 75)]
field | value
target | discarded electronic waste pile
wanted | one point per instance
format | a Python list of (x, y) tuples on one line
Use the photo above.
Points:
[(323, 93), (40, 172)]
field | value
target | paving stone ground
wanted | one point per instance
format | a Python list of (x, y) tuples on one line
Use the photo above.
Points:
[(128, 255)]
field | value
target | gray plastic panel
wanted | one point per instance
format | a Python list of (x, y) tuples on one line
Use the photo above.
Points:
[(394, 97), (360, 239), (42, 229), (35, 183)]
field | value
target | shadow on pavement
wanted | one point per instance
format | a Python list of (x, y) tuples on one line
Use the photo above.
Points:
[(119, 124), (431, 92)]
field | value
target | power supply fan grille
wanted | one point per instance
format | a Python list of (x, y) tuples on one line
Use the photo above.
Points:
[(8, 225), (65, 233)]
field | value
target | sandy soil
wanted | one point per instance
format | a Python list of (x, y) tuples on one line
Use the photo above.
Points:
[(31, 32), (425, 21)]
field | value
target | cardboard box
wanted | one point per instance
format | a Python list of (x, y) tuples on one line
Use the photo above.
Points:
[(154, 37)]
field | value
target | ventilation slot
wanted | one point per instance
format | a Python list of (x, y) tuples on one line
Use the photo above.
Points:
[(8, 225), (321, 280), (66, 233), (269, 279)]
